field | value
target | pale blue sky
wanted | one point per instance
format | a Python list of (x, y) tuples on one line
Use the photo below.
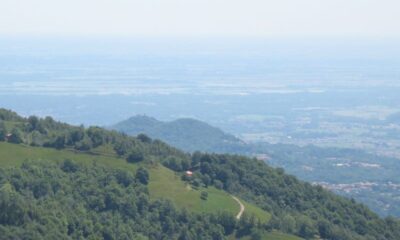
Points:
[(254, 18)]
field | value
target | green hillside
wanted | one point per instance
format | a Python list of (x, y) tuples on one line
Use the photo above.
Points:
[(320, 165), (164, 183), (93, 181)]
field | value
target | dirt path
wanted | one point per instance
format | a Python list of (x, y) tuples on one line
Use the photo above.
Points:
[(239, 215)]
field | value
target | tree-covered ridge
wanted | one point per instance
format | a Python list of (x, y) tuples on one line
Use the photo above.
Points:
[(47, 132), (162, 182), (297, 207), (185, 133)]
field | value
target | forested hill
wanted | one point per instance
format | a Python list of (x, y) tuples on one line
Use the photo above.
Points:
[(101, 198), (343, 170), (186, 134)]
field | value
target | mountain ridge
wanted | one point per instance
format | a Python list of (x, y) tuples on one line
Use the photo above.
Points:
[(185, 133)]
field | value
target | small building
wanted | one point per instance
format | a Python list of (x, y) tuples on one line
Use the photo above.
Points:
[(262, 157), (8, 136), (189, 173)]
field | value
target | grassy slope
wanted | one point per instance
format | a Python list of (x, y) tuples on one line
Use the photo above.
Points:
[(164, 183), (167, 184), (14, 155)]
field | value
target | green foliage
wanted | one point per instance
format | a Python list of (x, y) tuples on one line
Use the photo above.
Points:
[(299, 207), (36, 139), (204, 195), (3, 131), (247, 225), (218, 184), (36, 201), (69, 166), (135, 156), (163, 183), (142, 175), (256, 234), (57, 142), (97, 136), (34, 124), (16, 136), (50, 133), (123, 147), (12, 210), (196, 182), (187, 134), (76, 135), (85, 144), (190, 135), (8, 115), (228, 222), (144, 138)]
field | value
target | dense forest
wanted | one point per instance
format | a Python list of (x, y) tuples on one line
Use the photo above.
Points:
[(66, 200)]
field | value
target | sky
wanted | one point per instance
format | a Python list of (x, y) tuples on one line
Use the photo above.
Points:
[(174, 18)]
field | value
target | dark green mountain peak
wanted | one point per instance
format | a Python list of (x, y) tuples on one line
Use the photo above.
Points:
[(185, 133)]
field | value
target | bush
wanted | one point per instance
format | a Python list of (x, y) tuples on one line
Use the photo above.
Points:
[(16, 136), (204, 195), (135, 156), (84, 145), (122, 148), (142, 175), (218, 184), (144, 138), (69, 166), (197, 183)]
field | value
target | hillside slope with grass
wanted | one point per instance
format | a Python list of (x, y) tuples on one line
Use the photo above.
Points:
[(52, 165), (163, 182)]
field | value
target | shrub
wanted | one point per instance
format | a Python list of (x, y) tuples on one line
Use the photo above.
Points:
[(142, 175), (135, 156), (204, 195)]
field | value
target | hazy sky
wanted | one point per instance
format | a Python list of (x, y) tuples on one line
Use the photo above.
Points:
[(278, 18)]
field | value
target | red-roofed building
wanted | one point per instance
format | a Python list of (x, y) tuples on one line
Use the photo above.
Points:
[(8, 136)]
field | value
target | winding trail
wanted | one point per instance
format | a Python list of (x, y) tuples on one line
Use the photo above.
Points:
[(239, 215)]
